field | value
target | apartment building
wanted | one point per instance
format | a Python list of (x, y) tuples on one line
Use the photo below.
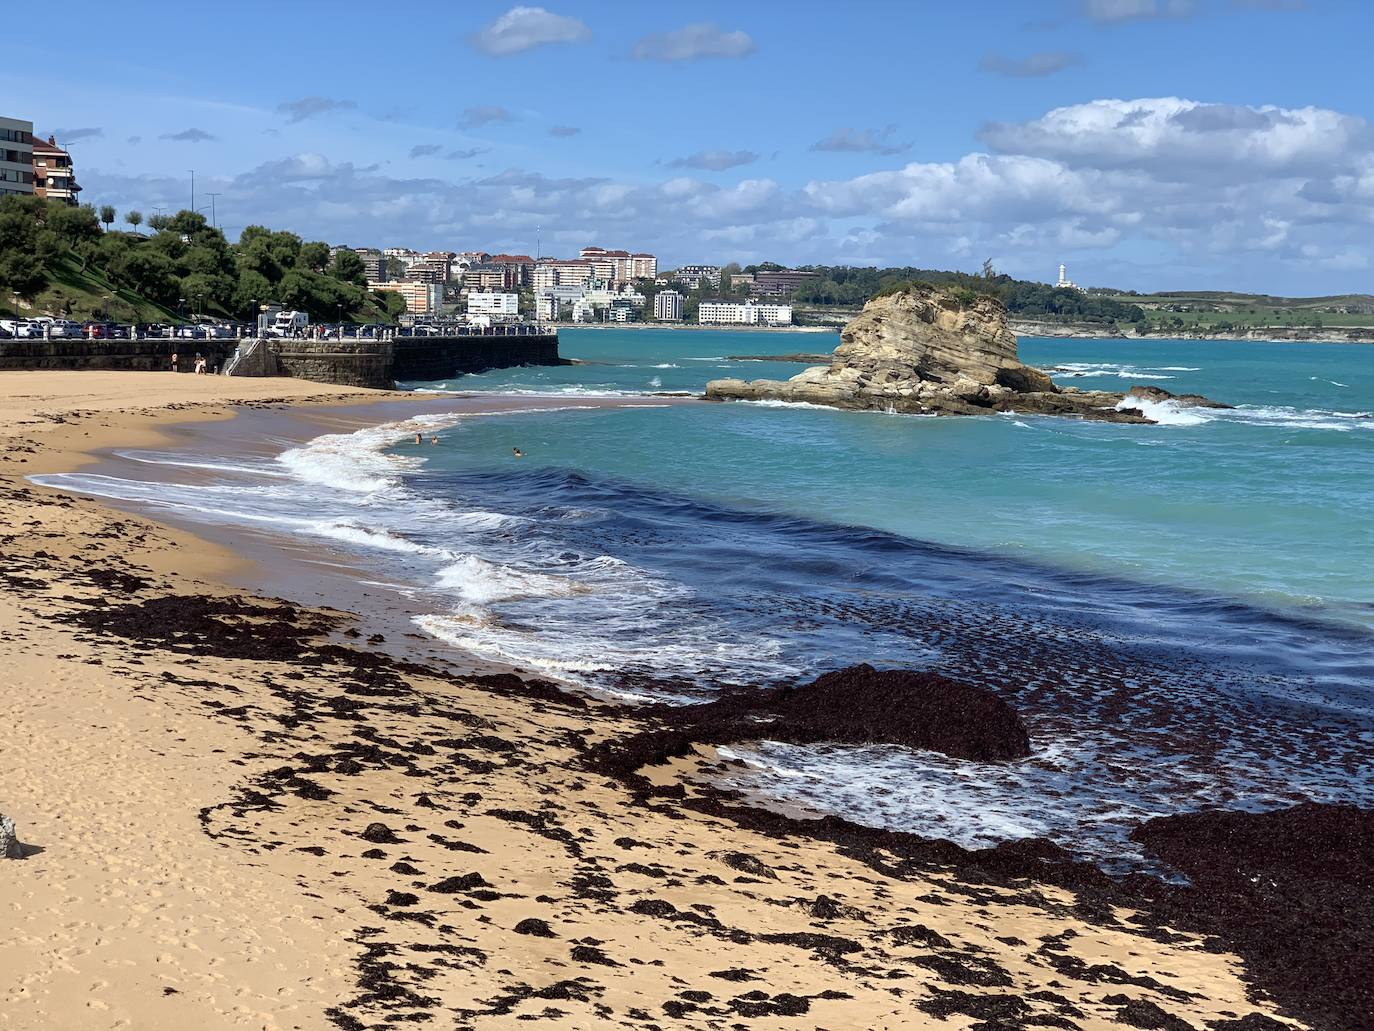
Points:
[(374, 265), (643, 266), (53, 175), (420, 298), (491, 276), (620, 266), (521, 266), (16, 156), (724, 313), (782, 282), (500, 305), (668, 306), (553, 272), (691, 275)]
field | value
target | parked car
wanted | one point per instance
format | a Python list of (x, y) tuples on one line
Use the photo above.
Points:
[(61, 329), (190, 332)]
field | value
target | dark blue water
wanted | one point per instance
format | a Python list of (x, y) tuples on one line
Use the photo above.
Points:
[(1182, 612)]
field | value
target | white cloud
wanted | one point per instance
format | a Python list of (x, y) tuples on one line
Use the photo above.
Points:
[(1171, 133), (524, 28), (692, 43)]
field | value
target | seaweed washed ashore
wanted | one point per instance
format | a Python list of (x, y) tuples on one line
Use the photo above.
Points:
[(928, 351)]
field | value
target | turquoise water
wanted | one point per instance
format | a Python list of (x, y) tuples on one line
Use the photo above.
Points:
[(1270, 503), (1182, 613)]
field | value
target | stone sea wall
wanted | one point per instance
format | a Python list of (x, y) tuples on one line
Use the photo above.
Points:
[(135, 355), (355, 363)]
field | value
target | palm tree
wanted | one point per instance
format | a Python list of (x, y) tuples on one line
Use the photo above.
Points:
[(134, 218), (107, 215)]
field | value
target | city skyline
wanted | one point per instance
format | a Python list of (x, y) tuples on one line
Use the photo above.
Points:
[(1142, 142)]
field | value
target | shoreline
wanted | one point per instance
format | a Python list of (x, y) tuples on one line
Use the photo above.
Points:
[(1089, 331), (149, 701)]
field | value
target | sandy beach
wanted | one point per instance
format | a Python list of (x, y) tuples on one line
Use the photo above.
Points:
[(239, 813)]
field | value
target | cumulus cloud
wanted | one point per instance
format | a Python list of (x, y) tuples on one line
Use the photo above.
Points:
[(309, 107), (692, 43), (861, 141), (563, 131), (524, 28), (473, 117), (1032, 66), (715, 160), (191, 135), (73, 135), (1170, 133)]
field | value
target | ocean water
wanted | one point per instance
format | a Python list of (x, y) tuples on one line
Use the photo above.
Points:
[(1184, 613)]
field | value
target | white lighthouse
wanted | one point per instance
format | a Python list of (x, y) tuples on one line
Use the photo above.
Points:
[(1064, 282)]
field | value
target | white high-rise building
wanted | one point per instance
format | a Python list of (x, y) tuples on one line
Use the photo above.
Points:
[(668, 306)]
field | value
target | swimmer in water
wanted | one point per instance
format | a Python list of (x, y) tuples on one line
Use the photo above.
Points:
[(419, 437), (518, 452), (434, 440)]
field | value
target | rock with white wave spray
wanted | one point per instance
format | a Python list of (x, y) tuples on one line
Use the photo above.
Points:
[(921, 349)]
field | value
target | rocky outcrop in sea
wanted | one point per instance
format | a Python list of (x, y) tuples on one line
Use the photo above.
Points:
[(925, 350)]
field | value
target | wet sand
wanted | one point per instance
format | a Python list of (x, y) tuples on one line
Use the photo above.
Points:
[(239, 814)]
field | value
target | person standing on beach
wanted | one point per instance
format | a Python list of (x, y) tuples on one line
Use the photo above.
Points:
[(174, 361)]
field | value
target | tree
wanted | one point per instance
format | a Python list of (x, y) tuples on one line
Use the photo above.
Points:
[(348, 267), (134, 218), (314, 256), (107, 215), (157, 223)]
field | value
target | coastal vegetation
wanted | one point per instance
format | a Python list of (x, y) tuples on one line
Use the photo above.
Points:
[(58, 259)]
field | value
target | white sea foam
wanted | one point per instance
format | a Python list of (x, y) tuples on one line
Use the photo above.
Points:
[(1166, 413), (772, 402), (482, 582), (358, 461)]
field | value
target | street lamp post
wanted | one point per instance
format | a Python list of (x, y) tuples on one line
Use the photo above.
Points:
[(213, 221), (193, 188)]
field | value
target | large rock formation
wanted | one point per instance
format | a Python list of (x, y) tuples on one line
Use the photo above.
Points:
[(930, 351)]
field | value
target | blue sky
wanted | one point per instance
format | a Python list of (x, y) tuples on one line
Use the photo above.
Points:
[(1149, 144)]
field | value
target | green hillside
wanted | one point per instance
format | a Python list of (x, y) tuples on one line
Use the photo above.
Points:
[(56, 260)]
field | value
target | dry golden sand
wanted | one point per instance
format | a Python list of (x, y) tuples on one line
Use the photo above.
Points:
[(200, 818)]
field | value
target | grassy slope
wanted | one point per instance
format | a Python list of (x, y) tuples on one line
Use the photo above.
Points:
[(85, 293), (1209, 307)]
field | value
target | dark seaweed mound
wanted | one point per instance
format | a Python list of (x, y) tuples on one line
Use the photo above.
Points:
[(863, 705), (1292, 890)]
